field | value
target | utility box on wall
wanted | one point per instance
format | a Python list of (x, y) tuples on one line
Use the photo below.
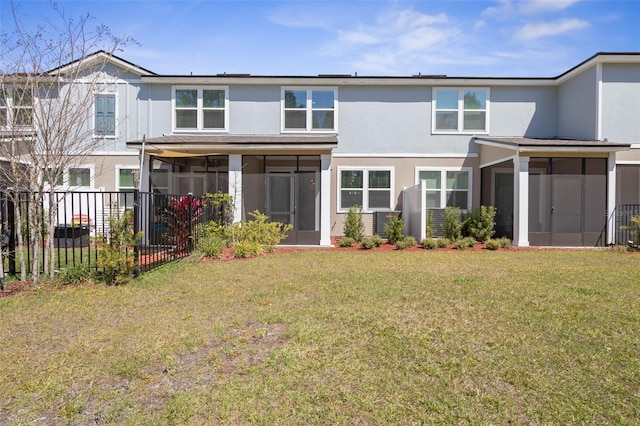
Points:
[(380, 219)]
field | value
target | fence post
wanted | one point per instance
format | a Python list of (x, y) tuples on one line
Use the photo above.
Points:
[(11, 219), (136, 229)]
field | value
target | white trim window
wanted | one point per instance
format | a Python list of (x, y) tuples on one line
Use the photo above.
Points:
[(125, 184), (200, 109), (446, 187), (105, 115), (460, 110), (16, 108), (80, 177), (309, 110), (371, 188)]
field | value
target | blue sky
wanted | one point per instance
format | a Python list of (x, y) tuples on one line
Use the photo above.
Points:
[(540, 38)]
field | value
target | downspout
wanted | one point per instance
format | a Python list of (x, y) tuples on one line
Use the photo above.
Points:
[(141, 163)]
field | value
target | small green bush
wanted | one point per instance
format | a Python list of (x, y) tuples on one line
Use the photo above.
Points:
[(429, 243), (492, 244), (452, 225), (211, 246), (353, 224), (377, 240), (346, 242), (460, 244), (77, 274), (442, 242), (394, 229), (470, 241), (247, 249), (504, 242), (368, 243), (620, 248), (115, 253), (479, 224), (259, 231), (405, 242)]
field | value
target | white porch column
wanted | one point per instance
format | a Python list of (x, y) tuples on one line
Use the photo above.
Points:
[(611, 198), (325, 200), (521, 201), (145, 173), (235, 185)]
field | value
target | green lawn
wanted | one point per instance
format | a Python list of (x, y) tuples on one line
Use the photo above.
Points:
[(331, 337)]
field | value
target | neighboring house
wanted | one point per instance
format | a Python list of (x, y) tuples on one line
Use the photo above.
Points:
[(554, 155)]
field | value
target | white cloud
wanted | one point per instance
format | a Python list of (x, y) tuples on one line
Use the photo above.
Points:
[(506, 9), (535, 6), (537, 30)]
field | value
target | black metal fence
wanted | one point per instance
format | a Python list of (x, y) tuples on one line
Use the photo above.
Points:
[(623, 215), (166, 223)]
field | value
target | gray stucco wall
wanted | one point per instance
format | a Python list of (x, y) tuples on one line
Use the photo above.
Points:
[(524, 111), (621, 102), (577, 106)]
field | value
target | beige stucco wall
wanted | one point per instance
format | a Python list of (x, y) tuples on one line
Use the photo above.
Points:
[(404, 176), (493, 154), (105, 169)]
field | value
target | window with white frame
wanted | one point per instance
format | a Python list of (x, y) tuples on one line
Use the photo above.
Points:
[(370, 188), (126, 185), (309, 109), (16, 108), (79, 176), (105, 115), (447, 188), (460, 111), (200, 108)]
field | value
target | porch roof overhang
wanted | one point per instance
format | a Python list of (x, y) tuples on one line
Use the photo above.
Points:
[(199, 145), (556, 145)]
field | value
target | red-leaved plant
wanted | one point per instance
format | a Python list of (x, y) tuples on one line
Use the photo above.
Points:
[(181, 214)]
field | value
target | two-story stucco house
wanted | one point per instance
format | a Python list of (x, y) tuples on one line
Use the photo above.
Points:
[(555, 156)]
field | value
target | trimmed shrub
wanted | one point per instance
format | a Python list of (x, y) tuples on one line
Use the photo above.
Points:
[(353, 224), (492, 244), (405, 242), (452, 225), (429, 243), (460, 244), (377, 240), (259, 231), (479, 223), (346, 242), (442, 242), (394, 229), (368, 243), (469, 241), (504, 242), (247, 249)]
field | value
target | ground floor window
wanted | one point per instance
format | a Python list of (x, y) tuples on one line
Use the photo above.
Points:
[(126, 185), (370, 188), (447, 188)]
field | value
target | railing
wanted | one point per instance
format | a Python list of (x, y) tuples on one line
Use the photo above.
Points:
[(623, 215), (166, 222)]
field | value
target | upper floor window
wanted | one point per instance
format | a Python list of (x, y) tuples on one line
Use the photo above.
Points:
[(16, 108), (460, 111), (447, 188), (200, 109), (309, 110), (370, 188), (105, 124)]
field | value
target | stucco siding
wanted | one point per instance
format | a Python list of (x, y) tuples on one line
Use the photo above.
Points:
[(523, 111), (621, 102), (404, 176), (577, 106), (254, 110)]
